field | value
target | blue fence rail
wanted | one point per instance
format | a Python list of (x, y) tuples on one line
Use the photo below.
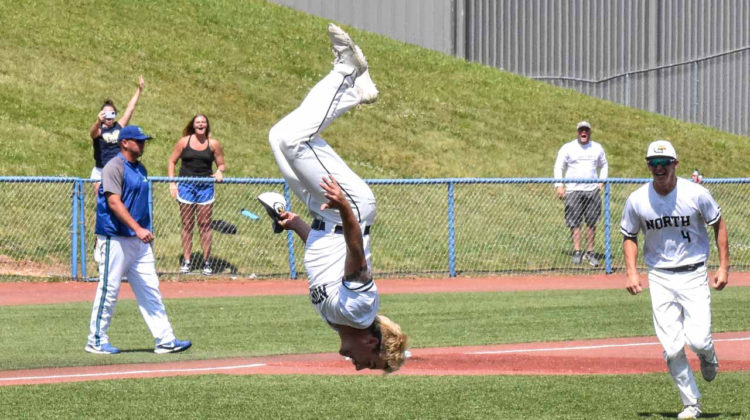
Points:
[(516, 224)]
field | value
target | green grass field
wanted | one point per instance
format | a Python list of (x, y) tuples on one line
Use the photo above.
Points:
[(313, 397), (246, 63), (234, 327)]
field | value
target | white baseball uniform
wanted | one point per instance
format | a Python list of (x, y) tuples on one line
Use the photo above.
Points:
[(304, 158), (676, 249)]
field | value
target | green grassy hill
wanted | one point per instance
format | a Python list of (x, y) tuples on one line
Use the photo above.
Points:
[(246, 63)]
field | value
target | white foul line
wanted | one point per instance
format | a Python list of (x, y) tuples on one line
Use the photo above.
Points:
[(602, 346), (131, 372)]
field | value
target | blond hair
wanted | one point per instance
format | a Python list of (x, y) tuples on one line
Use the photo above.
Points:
[(392, 344)]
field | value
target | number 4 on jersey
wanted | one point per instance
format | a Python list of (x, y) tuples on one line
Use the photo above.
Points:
[(686, 235)]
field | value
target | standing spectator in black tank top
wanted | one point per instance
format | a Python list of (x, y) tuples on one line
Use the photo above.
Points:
[(198, 150)]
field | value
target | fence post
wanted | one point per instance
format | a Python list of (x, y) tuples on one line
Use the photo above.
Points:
[(82, 227), (451, 232), (607, 233), (290, 236), (150, 207), (74, 232)]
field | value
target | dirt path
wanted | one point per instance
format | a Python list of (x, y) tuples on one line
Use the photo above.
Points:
[(586, 357), (606, 356), (42, 293)]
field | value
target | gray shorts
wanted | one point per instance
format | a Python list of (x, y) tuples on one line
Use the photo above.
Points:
[(582, 206)]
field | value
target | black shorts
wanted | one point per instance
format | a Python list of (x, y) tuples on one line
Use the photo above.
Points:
[(582, 206)]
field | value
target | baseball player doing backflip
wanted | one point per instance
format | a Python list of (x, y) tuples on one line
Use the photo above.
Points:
[(673, 213), (337, 243)]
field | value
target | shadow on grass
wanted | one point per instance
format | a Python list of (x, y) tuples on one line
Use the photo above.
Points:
[(148, 350), (218, 265)]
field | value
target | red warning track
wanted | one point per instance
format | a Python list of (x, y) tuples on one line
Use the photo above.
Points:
[(42, 293), (588, 357), (607, 356)]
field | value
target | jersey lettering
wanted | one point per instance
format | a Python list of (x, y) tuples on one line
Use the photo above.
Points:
[(111, 137), (318, 294), (667, 221)]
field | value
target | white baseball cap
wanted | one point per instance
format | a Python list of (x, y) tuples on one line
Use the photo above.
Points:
[(583, 124), (661, 148)]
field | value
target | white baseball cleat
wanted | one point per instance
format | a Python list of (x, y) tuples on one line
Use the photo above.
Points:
[(345, 51), (274, 203), (690, 412), (709, 368), (368, 93)]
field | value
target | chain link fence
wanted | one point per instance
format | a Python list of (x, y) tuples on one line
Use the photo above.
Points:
[(36, 219), (424, 227)]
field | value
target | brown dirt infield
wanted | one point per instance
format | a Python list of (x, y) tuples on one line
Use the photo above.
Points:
[(587, 357), (606, 356), (16, 293)]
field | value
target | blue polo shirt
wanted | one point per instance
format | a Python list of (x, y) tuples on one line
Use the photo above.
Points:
[(129, 181)]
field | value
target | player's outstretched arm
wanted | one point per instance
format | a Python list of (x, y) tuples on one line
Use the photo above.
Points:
[(721, 278), (630, 250), (355, 250)]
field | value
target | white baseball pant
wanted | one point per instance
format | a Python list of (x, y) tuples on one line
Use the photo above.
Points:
[(304, 158), (128, 256), (681, 304)]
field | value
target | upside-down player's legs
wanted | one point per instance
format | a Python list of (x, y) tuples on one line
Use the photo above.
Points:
[(304, 158)]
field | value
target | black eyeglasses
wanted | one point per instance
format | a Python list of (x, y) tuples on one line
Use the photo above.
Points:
[(654, 162)]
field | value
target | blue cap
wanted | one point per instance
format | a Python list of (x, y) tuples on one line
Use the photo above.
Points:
[(132, 132)]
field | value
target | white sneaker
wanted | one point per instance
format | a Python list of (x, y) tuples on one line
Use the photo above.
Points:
[(345, 51), (709, 368), (207, 270), (185, 267), (591, 258), (368, 93), (690, 412)]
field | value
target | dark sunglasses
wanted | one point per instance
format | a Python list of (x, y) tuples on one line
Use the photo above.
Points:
[(654, 162)]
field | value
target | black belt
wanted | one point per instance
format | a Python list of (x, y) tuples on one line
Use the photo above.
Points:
[(318, 224), (685, 268)]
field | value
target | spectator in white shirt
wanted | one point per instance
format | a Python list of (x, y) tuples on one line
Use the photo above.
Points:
[(580, 159)]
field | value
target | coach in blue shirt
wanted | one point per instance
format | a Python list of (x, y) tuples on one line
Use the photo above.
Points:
[(123, 224)]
